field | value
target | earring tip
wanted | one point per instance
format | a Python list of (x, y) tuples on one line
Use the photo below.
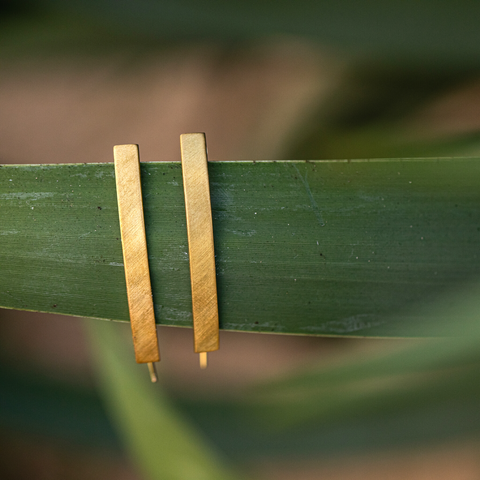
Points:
[(203, 360), (153, 372)]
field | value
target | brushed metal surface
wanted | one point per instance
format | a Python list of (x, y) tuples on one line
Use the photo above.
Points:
[(200, 242), (135, 257)]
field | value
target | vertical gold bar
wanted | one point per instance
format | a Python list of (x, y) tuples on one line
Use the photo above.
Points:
[(135, 257), (200, 242)]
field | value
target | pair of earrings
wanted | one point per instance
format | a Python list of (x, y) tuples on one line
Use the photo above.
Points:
[(200, 248)]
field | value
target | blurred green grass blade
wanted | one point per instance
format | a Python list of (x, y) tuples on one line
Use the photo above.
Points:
[(43, 407), (313, 248), (378, 141), (425, 373), (422, 395), (381, 111), (435, 33), (163, 444)]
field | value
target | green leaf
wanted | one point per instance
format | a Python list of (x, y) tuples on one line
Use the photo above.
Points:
[(314, 248), (160, 440)]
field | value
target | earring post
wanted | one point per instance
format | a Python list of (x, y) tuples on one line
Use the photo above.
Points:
[(203, 360), (153, 372)]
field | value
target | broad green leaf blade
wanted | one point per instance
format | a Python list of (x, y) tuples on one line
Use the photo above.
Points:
[(243, 432), (313, 248), (163, 444)]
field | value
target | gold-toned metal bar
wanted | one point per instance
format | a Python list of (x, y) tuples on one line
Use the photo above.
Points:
[(135, 257), (200, 242)]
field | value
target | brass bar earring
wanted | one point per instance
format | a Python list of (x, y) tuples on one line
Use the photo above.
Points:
[(200, 244), (135, 257)]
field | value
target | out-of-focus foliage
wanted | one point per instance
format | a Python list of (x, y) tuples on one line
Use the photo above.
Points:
[(428, 31), (421, 392), (401, 55), (164, 444), (372, 113), (423, 377)]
